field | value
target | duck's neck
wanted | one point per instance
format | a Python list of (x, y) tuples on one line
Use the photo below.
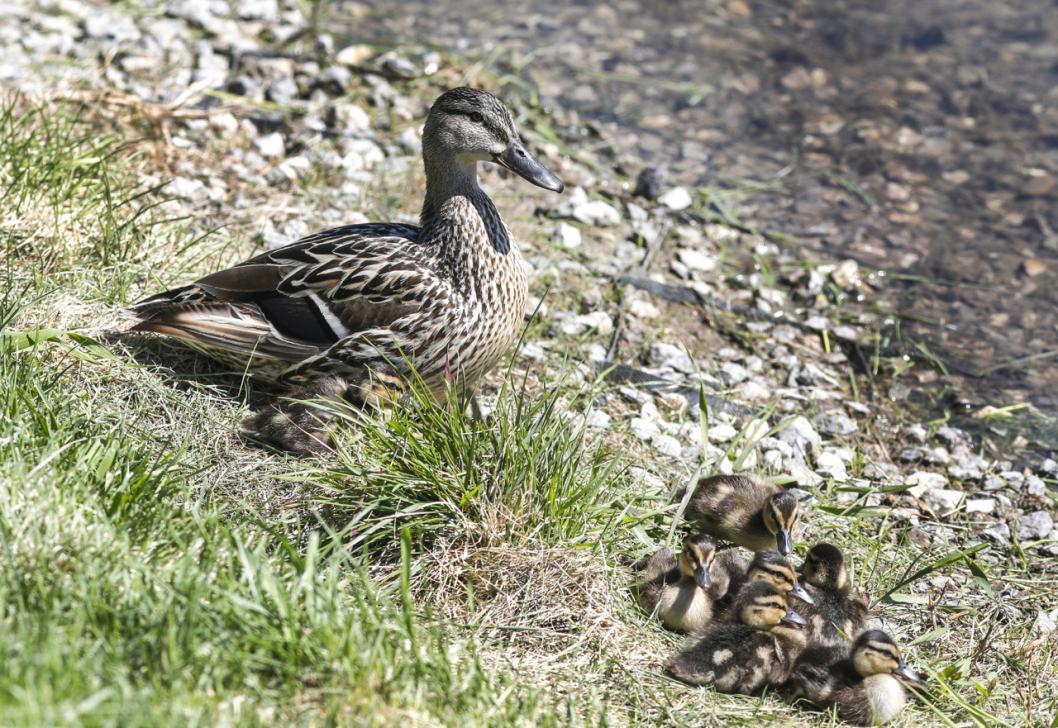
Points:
[(456, 211)]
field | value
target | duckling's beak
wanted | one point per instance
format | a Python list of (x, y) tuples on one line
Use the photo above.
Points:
[(799, 592), (784, 541), (792, 617), (905, 671), (521, 162), (701, 575)]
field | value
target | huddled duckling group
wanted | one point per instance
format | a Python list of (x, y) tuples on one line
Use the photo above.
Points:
[(753, 624)]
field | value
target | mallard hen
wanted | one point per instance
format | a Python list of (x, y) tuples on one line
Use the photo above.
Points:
[(350, 312)]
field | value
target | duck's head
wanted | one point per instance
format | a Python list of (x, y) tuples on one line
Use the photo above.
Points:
[(468, 125), (771, 567), (696, 558), (763, 606), (875, 653), (824, 567), (781, 512)]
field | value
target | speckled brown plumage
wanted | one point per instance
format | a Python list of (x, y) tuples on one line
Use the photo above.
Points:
[(366, 304)]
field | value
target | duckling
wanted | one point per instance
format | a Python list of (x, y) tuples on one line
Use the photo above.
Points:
[(760, 649), (862, 683), (767, 566), (835, 614), (746, 510), (682, 591)]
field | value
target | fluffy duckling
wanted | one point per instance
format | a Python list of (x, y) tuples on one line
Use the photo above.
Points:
[(746, 510), (835, 614), (681, 591), (862, 683), (767, 566), (759, 649)]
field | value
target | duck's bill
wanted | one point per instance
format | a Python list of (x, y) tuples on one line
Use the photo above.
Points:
[(518, 159), (793, 618), (799, 592), (701, 575), (784, 541), (905, 671)]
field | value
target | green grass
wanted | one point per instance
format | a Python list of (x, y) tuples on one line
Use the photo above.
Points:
[(436, 570)]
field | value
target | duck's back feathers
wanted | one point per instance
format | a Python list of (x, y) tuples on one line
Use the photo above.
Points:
[(291, 304)]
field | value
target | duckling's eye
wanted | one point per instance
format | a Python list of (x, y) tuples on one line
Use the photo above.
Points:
[(476, 117)]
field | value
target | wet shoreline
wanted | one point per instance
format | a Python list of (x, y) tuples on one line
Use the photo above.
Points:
[(915, 140)]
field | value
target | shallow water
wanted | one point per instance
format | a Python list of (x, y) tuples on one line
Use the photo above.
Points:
[(916, 137)]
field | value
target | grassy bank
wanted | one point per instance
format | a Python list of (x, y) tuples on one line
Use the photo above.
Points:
[(158, 571)]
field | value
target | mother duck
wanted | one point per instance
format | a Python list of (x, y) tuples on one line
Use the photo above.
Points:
[(349, 313)]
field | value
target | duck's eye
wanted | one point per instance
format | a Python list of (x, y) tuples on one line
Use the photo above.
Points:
[(476, 117)]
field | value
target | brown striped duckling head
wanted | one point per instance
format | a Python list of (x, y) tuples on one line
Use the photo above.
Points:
[(697, 558), (875, 653), (772, 568), (824, 568), (781, 513), (763, 606)]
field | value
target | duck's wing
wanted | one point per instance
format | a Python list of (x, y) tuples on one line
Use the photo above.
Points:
[(296, 301)]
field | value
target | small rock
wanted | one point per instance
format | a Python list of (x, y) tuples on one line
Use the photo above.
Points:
[(830, 464), (980, 505), (667, 445), (696, 260), (1035, 526), (1049, 466), (271, 146), (836, 423), (1034, 267), (678, 198), (590, 212), (649, 182), (732, 373), (998, 534), (926, 481), (641, 308), (643, 429), (722, 433), (598, 418), (334, 80), (800, 435), (916, 432), (1045, 622), (282, 90), (846, 274), (943, 502), (354, 55), (672, 357), (568, 236), (188, 189), (1035, 487)]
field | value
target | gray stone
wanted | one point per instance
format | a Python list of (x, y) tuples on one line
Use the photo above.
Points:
[(732, 373), (997, 534), (282, 90), (800, 435), (1035, 526), (980, 505), (1034, 486), (836, 423), (597, 418), (644, 429), (696, 260), (667, 445), (672, 357), (943, 502), (1046, 622), (830, 464)]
